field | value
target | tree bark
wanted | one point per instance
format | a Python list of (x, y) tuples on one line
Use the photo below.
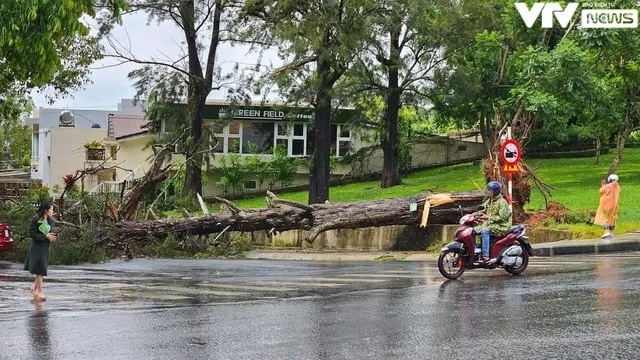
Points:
[(193, 180), (287, 215), (623, 134), (487, 132), (319, 174), (598, 149), (200, 85), (390, 171)]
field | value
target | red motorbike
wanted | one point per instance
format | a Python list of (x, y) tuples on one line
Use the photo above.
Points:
[(511, 251)]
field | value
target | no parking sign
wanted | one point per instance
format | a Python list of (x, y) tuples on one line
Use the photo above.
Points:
[(510, 153)]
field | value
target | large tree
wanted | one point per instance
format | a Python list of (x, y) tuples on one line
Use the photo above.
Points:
[(407, 44), (318, 40), (518, 78), (190, 77), (43, 44), (39, 40), (617, 52)]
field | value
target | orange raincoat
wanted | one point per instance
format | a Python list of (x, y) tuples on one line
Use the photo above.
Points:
[(608, 209)]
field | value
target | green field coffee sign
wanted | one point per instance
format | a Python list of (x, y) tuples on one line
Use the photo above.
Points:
[(273, 113), (265, 114)]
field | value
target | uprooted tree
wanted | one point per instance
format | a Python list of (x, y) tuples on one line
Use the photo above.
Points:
[(282, 215), (118, 228), (520, 78)]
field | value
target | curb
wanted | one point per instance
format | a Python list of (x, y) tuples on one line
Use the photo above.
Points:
[(579, 249)]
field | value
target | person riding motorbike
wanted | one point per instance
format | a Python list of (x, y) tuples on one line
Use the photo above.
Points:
[(497, 218)]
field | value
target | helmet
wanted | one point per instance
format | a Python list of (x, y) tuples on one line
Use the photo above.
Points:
[(495, 187), (612, 178)]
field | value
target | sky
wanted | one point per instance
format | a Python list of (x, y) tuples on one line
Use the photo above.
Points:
[(110, 84)]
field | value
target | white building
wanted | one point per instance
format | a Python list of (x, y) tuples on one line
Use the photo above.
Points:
[(58, 149)]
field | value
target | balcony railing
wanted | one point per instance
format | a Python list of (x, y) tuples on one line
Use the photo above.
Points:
[(96, 154)]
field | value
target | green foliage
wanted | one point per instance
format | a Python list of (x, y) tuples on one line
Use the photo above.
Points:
[(233, 172), (168, 249), (46, 43), (282, 168), (569, 138), (230, 246), (73, 246), (94, 144), (167, 196), (278, 168)]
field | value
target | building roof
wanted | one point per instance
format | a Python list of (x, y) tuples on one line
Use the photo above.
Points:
[(121, 126)]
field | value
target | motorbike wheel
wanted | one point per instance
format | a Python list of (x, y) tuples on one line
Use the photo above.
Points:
[(517, 270), (450, 264)]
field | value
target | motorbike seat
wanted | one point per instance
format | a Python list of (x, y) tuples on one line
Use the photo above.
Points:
[(515, 228)]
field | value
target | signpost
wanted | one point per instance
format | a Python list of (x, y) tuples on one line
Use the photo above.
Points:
[(510, 154)]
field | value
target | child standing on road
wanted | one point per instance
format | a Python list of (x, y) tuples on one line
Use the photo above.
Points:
[(608, 209), (37, 260)]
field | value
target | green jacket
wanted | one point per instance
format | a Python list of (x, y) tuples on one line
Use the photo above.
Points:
[(37, 260), (499, 216)]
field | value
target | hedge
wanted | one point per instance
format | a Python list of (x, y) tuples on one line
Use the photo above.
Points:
[(566, 154)]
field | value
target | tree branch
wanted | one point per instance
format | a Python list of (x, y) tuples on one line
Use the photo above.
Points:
[(295, 204), (233, 207), (213, 46)]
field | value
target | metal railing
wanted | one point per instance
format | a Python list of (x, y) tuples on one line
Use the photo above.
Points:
[(115, 187)]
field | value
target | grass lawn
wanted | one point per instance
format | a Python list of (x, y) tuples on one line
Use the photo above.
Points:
[(577, 182)]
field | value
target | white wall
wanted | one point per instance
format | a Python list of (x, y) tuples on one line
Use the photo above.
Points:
[(131, 156), (68, 153), (46, 119)]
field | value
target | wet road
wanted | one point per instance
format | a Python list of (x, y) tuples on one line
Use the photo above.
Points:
[(570, 307)]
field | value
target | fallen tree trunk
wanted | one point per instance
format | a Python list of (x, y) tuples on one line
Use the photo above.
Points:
[(282, 215)]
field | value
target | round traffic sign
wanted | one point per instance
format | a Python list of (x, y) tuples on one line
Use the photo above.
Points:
[(510, 152)]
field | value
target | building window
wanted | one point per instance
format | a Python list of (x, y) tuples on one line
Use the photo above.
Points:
[(114, 152), (462, 148), (233, 138), (257, 137), (250, 185), (250, 137), (292, 137), (340, 140)]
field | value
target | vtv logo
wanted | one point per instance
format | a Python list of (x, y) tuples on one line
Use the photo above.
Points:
[(548, 11)]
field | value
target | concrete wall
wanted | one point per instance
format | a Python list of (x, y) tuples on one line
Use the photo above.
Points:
[(384, 238), (131, 156), (68, 154), (424, 153)]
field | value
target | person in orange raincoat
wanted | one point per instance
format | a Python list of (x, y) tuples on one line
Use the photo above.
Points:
[(608, 209)]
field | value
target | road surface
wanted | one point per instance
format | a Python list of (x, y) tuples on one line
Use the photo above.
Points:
[(567, 307)]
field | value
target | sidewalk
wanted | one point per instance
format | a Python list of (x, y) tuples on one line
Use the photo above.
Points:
[(624, 242)]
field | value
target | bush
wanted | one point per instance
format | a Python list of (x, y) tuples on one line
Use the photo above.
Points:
[(282, 168), (566, 154), (233, 172), (573, 138), (73, 246), (168, 248)]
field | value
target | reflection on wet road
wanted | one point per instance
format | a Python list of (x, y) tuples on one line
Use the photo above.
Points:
[(569, 307)]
